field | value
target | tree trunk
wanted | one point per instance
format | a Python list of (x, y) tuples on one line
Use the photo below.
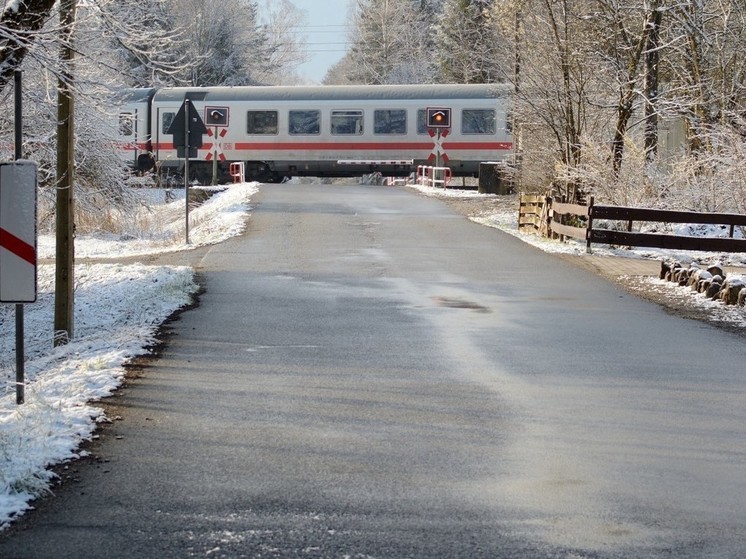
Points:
[(652, 58)]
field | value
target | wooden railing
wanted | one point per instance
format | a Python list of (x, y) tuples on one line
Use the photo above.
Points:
[(577, 221), (657, 240)]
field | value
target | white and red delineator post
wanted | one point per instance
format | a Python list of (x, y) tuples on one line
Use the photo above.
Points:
[(18, 232)]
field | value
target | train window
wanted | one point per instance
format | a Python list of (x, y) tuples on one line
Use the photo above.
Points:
[(347, 122), (166, 120), (304, 122), (261, 122), (478, 121), (390, 121), (126, 124), (422, 121)]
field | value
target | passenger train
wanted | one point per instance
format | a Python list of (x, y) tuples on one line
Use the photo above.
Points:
[(320, 131)]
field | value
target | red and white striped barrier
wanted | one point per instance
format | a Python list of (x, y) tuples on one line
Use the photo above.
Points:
[(237, 171), (375, 161), (433, 176)]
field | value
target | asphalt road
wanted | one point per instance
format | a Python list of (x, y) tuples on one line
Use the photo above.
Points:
[(369, 374)]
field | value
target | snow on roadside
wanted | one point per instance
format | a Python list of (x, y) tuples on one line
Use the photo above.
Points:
[(118, 310), (161, 228), (506, 219)]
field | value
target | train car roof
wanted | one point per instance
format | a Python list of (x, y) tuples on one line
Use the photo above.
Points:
[(332, 92), (135, 94)]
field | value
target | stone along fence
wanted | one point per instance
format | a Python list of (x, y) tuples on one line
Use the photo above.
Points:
[(558, 219)]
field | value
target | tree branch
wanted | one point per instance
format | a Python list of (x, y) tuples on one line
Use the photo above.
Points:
[(18, 25)]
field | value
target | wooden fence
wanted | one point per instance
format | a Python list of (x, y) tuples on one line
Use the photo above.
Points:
[(532, 212), (577, 221)]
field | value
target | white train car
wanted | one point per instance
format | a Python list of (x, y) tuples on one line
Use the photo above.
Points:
[(134, 127), (329, 131)]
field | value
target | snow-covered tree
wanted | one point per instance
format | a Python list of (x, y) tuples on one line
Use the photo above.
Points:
[(390, 42), (148, 52), (467, 42), (226, 44), (104, 31), (623, 34), (341, 73), (553, 84), (706, 66), (20, 23), (286, 50)]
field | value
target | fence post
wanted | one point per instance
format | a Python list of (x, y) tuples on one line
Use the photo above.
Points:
[(589, 230), (520, 209), (548, 217)]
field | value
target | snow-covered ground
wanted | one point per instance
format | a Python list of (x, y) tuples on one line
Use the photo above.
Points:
[(118, 309)]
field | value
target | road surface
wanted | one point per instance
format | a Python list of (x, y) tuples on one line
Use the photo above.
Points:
[(369, 374)]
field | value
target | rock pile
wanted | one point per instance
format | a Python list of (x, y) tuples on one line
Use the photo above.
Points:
[(712, 281)]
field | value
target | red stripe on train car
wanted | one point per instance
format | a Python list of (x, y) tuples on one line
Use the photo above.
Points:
[(362, 146), (330, 146)]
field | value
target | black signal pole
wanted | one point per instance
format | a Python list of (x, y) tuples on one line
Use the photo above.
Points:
[(186, 164), (20, 349)]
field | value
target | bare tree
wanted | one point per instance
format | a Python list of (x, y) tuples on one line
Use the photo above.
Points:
[(706, 64), (285, 48), (139, 40), (629, 28), (390, 43), (552, 102), (467, 42)]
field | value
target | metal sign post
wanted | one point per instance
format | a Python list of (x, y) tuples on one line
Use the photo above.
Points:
[(187, 129), (18, 248), (215, 158), (20, 335), (187, 147), (18, 237), (438, 120)]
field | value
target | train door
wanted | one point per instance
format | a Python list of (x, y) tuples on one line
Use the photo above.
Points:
[(164, 142), (128, 136)]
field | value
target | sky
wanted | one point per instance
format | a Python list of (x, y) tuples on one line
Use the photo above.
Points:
[(325, 30), (64, 383)]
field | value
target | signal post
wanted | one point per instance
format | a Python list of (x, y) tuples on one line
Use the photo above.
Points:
[(438, 120)]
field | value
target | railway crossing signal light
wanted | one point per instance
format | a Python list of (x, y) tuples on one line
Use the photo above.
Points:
[(216, 116), (438, 117)]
